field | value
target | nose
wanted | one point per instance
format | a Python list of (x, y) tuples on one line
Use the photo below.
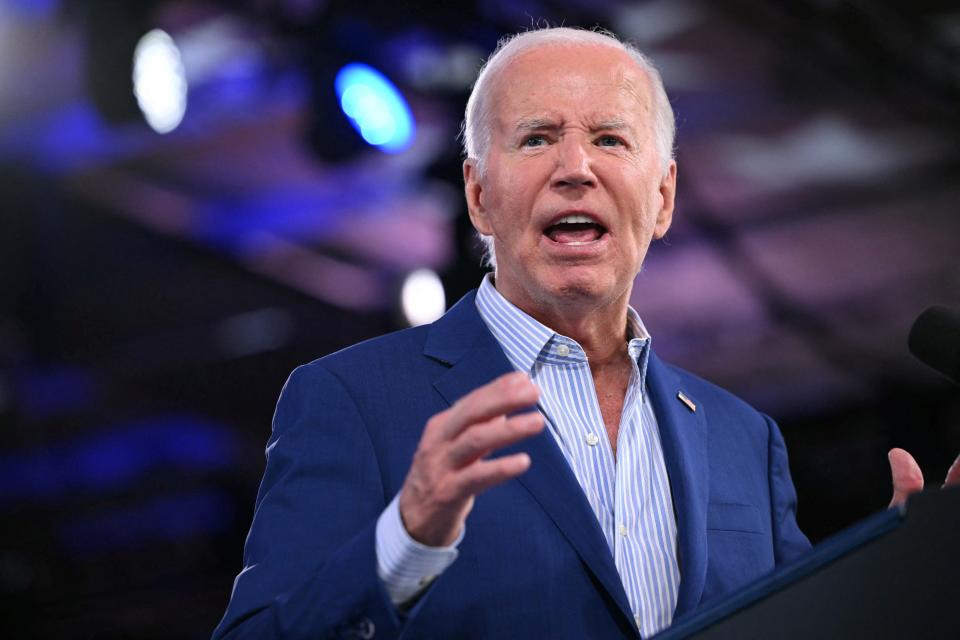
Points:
[(574, 166)]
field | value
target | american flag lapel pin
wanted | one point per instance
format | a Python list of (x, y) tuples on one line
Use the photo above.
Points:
[(687, 401)]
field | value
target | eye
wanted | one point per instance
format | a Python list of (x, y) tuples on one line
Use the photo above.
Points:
[(534, 140), (609, 141)]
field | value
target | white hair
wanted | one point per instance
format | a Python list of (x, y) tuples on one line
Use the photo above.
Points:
[(477, 118)]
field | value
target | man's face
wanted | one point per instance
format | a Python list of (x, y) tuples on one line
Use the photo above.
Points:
[(573, 190)]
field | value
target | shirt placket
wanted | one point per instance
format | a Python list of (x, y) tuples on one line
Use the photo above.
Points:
[(581, 428), (630, 478)]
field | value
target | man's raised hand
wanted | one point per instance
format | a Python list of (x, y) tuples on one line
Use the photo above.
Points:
[(907, 477), (450, 466)]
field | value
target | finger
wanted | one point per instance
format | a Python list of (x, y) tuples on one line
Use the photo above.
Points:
[(506, 394), (483, 474), (953, 474), (906, 474), (480, 440)]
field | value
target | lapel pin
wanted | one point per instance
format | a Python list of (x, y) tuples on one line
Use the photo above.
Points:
[(687, 401)]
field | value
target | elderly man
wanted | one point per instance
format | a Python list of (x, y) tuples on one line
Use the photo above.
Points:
[(525, 467)]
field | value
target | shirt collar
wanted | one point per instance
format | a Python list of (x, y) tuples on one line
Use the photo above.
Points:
[(525, 340)]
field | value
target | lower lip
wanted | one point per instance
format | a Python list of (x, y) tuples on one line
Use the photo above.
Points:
[(576, 249)]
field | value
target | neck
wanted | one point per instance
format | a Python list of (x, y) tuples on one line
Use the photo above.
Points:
[(600, 329)]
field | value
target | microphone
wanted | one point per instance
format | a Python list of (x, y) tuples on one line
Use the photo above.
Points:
[(935, 340)]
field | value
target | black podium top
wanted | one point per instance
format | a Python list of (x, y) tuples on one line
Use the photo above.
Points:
[(893, 575)]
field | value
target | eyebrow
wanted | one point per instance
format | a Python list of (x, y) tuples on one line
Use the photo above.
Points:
[(613, 124), (536, 124), (541, 124)]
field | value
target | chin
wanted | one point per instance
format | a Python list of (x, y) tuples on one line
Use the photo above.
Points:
[(585, 284)]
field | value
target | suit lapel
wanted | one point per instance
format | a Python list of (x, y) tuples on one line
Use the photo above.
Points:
[(683, 434), (462, 340)]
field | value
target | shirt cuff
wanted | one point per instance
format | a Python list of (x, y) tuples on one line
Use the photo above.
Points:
[(406, 566)]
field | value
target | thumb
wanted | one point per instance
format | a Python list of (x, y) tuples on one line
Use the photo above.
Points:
[(953, 474), (907, 477)]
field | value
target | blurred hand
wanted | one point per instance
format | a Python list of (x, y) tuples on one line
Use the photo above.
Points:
[(449, 467), (907, 477)]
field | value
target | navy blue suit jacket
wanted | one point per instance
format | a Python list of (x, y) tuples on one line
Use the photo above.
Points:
[(534, 562)]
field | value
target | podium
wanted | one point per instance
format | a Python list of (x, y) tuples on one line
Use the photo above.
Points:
[(893, 575)]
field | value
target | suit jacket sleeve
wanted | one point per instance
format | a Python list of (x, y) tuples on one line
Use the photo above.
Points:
[(788, 541), (309, 560)]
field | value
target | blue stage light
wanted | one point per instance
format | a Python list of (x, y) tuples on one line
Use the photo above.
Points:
[(375, 107)]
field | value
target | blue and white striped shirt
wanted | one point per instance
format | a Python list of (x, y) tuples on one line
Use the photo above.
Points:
[(629, 493)]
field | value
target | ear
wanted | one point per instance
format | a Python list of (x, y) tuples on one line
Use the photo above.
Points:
[(668, 191), (473, 191)]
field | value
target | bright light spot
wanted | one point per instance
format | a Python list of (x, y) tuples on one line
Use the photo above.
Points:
[(422, 297), (159, 82), (375, 107)]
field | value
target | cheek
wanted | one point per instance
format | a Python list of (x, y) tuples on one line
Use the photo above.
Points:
[(641, 238), (513, 204)]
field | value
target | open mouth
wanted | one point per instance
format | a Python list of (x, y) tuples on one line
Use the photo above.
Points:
[(575, 230)]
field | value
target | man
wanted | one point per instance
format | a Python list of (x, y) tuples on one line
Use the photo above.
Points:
[(526, 466)]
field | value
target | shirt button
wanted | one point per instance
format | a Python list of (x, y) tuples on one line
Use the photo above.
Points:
[(636, 619), (563, 350), (623, 530), (365, 629), (592, 439)]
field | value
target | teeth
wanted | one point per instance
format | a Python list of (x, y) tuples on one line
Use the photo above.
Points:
[(574, 219)]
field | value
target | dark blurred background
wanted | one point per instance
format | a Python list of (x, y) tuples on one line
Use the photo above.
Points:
[(168, 255)]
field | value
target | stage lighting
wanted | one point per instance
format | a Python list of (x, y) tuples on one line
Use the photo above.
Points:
[(375, 107), (159, 82), (422, 298)]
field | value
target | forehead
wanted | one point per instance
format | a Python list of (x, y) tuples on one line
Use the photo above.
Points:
[(571, 82)]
